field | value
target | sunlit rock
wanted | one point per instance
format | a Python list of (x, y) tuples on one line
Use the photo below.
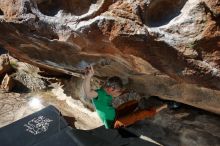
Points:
[(165, 48)]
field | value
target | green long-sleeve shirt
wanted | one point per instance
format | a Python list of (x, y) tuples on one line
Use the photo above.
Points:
[(104, 108)]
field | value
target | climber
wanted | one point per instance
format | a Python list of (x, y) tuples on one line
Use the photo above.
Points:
[(102, 100)]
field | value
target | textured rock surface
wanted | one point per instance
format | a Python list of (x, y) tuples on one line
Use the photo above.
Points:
[(167, 48), (7, 83), (186, 127), (4, 65)]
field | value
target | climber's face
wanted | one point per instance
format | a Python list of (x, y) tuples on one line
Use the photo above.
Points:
[(113, 92)]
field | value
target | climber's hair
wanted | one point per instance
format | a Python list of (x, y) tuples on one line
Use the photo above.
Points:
[(114, 82)]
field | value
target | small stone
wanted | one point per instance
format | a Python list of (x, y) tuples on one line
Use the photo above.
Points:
[(7, 83)]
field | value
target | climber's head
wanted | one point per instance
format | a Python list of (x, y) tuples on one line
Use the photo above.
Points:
[(114, 86)]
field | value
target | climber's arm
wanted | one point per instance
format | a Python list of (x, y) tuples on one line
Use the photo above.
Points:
[(87, 86)]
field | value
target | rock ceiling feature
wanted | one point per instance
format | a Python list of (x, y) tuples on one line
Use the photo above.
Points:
[(161, 12), (166, 48)]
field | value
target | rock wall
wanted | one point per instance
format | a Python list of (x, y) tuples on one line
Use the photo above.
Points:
[(166, 48)]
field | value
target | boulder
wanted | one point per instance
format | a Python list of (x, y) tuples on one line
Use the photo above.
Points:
[(5, 66), (7, 83), (165, 48)]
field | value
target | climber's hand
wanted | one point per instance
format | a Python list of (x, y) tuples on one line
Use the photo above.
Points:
[(118, 124), (89, 71)]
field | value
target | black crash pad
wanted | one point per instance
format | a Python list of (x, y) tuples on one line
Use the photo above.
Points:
[(105, 137), (33, 128), (63, 138)]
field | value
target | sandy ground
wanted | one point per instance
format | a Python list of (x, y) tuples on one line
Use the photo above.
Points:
[(14, 106)]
